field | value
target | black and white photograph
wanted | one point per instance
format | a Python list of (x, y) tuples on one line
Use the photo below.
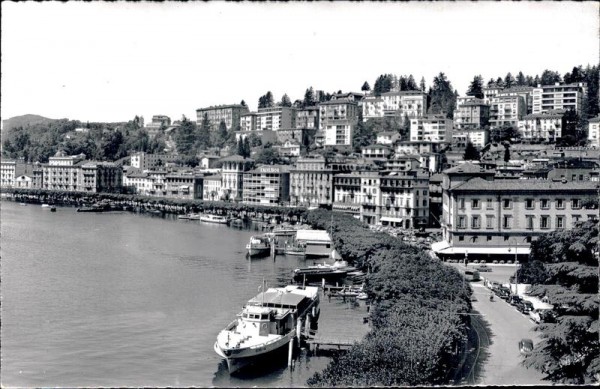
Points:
[(299, 194)]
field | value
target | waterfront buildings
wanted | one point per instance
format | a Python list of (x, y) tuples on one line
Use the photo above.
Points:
[(62, 172), (11, 170), (486, 217), (230, 114), (139, 183), (232, 173), (146, 161), (338, 119), (267, 185), (311, 181), (213, 188), (96, 177), (551, 97), (184, 185)]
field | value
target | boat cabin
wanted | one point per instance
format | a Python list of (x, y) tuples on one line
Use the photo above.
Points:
[(261, 321)]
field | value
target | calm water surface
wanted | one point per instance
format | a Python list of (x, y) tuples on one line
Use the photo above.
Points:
[(119, 299)]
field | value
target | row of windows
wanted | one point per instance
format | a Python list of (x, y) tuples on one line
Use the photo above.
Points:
[(529, 203), (545, 221)]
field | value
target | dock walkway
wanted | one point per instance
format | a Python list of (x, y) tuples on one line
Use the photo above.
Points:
[(348, 327)]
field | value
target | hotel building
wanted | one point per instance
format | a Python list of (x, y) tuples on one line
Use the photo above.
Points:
[(551, 97), (267, 185)]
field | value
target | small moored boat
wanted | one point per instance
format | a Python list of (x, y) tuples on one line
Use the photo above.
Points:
[(258, 245), (207, 217)]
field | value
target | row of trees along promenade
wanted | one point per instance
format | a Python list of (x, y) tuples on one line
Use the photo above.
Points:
[(419, 317)]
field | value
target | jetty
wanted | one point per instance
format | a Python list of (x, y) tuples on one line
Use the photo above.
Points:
[(340, 333)]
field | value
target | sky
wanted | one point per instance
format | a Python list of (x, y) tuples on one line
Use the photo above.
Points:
[(96, 61)]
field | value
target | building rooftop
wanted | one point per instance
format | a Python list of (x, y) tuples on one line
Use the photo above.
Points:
[(467, 167), (222, 106), (479, 184), (546, 115)]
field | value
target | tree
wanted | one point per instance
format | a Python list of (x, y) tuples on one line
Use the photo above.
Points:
[(266, 101), (509, 80), (521, 81), (499, 82), (285, 101), (383, 84), (442, 96), (506, 152), (185, 137), (410, 83), (223, 135), (471, 153), (309, 97), (366, 87), (550, 77), (240, 147), (243, 103), (268, 156), (422, 86), (476, 87), (246, 148), (203, 137)]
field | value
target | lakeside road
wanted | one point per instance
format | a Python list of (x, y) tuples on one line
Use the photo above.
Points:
[(505, 328)]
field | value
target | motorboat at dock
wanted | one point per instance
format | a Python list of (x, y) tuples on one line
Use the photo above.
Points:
[(259, 245), (210, 218), (268, 322), (329, 272)]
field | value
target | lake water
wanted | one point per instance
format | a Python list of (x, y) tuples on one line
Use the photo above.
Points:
[(121, 299)]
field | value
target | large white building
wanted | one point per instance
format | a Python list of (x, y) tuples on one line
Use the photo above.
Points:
[(507, 110), (230, 114), (338, 119), (405, 103), (477, 136), (433, 128), (274, 118), (551, 97), (546, 126)]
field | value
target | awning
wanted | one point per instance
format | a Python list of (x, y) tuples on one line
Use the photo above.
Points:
[(438, 246), (481, 250), (391, 219)]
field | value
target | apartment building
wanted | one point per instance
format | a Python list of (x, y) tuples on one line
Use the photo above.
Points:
[(507, 110), (96, 177), (274, 118), (471, 113), (547, 126), (404, 199), (338, 119), (498, 219), (146, 161), (248, 122), (232, 172), (213, 188), (489, 92), (372, 107), (433, 128), (551, 97), (307, 118), (184, 185), (62, 172), (526, 92), (311, 181), (11, 170), (376, 151), (139, 183), (477, 136), (594, 132), (267, 185), (230, 114), (347, 194)]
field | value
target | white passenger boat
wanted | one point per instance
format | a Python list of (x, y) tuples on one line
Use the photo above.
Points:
[(267, 322), (213, 218), (258, 245)]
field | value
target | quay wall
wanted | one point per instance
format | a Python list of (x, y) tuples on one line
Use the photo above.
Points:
[(166, 205)]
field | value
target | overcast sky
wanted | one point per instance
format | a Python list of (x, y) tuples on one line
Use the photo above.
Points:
[(111, 61)]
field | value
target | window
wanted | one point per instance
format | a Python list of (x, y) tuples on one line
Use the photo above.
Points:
[(475, 222), (489, 221), (462, 222), (506, 238), (507, 222), (461, 238), (506, 203), (475, 204), (545, 222), (489, 204), (560, 222), (461, 203), (575, 218), (575, 204), (560, 204), (475, 239), (489, 238), (528, 239), (529, 204), (529, 223), (544, 204)]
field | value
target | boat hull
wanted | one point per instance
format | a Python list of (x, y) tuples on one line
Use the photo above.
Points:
[(258, 251), (211, 220), (242, 357)]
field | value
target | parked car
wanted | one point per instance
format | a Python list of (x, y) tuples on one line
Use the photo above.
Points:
[(526, 307), (514, 299), (543, 316), (503, 292), (483, 268), (525, 346)]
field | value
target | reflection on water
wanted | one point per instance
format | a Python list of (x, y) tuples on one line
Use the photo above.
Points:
[(118, 299)]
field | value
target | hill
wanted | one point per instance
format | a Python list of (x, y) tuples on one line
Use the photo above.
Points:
[(24, 121)]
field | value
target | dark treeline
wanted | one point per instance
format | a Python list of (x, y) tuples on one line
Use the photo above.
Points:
[(418, 316)]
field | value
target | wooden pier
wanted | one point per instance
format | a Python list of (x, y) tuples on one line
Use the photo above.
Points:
[(348, 328)]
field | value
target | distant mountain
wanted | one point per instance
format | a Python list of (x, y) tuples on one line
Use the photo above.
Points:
[(24, 121)]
